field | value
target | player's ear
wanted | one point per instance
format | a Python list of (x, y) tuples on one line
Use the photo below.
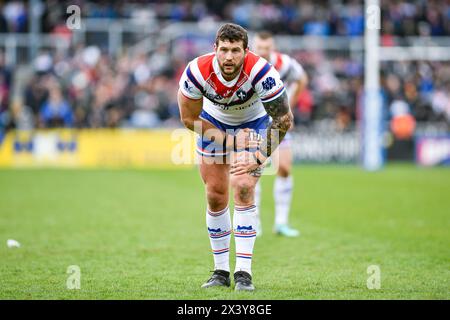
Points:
[(215, 47)]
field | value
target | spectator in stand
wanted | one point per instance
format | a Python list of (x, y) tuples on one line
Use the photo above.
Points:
[(5, 89), (297, 17), (5, 83), (3, 21), (15, 15), (56, 111)]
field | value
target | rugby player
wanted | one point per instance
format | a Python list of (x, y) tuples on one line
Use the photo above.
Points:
[(295, 79), (226, 97)]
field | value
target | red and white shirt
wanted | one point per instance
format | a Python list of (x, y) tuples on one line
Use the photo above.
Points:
[(239, 100), (288, 68)]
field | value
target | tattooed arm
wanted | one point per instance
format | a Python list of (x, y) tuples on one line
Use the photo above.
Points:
[(282, 120)]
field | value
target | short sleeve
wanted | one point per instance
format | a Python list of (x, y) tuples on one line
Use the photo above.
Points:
[(268, 84), (189, 86)]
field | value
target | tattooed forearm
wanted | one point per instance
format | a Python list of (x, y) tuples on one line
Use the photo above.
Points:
[(282, 120)]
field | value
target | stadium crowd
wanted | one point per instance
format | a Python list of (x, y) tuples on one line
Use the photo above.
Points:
[(88, 88), (305, 17)]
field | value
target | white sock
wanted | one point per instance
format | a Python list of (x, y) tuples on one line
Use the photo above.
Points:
[(244, 225), (258, 203), (219, 230), (282, 193), (258, 194)]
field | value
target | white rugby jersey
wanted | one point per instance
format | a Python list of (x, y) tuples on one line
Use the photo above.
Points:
[(239, 100), (288, 68)]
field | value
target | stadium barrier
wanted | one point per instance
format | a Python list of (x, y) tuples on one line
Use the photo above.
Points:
[(166, 148), (162, 148), (321, 146), (95, 148)]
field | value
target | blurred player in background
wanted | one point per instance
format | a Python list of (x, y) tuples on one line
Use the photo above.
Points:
[(296, 80), (224, 94)]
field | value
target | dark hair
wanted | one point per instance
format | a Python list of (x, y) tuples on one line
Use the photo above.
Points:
[(264, 35), (232, 32)]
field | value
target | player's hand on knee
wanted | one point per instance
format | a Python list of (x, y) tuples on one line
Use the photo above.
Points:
[(243, 163), (247, 139)]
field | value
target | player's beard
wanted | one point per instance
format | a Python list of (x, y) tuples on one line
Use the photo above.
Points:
[(234, 72)]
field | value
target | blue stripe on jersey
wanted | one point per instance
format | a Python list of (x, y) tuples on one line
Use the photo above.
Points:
[(273, 96), (193, 80), (261, 73)]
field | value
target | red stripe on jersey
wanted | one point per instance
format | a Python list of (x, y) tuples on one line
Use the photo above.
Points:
[(205, 65), (250, 60), (222, 89), (279, 61)]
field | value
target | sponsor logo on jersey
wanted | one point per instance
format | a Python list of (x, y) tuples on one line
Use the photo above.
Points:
[(268, 84), (228, 93), (213, 96), (187, 86), (241, 94)]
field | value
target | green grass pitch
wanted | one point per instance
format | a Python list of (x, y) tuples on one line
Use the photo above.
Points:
[(141, 234)]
